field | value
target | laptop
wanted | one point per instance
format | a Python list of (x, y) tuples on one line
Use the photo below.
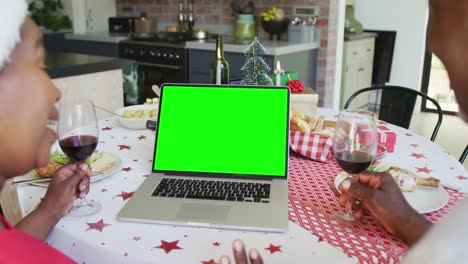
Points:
[(220, 159)]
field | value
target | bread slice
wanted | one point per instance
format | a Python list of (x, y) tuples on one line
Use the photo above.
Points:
[(408, 181), (102, 162)]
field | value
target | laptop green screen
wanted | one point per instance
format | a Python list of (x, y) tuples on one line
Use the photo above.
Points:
[(221, 129)]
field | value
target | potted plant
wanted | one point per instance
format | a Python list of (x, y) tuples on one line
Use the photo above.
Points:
[(274, 22), (245, 30), (49, 14)]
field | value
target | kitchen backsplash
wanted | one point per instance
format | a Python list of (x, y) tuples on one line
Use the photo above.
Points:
[(216, 15)]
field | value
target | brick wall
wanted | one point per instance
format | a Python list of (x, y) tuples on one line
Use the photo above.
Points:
[(217, 13)]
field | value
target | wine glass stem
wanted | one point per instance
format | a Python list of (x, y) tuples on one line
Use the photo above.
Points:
[(349, 216)]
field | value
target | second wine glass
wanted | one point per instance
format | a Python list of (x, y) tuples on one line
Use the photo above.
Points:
[(355, 144), (78, 134)]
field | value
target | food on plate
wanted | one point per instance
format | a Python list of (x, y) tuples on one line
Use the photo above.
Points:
[(102, 161), (408, 181), (152, 101), (98, 162), (140, 113), (318, 125), (49, 170)]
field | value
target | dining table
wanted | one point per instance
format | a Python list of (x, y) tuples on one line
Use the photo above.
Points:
[(313, 235)]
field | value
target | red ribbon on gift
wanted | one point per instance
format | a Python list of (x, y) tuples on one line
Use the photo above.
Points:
[(296, 86)]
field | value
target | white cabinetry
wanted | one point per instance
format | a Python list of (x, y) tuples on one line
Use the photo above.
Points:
[(358, 59)]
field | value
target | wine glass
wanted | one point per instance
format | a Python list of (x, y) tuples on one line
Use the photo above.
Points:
[(355, 144), (78, 134)]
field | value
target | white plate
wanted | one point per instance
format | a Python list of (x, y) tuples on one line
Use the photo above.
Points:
[(135, 123), (423, 200), (115, 167)]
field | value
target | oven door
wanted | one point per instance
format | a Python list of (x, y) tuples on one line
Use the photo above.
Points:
[(150, 74)]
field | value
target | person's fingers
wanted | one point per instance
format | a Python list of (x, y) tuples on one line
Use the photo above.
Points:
[(240, 256), (357, 190), (80, 172), (364, 177), (224, 260), (64, 172), (358, 212), (343, 199), (255, 257), (376, 180), (83, 187)]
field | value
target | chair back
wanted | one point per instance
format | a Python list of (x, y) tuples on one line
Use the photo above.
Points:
[(395, 105), (463, 155)]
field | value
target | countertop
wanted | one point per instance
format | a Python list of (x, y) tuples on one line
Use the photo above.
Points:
[(360, 36), (61, 64), (98, 37), (273, 47)]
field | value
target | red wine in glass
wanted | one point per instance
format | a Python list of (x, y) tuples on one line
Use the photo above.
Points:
[(78, 133), (354, 145), (353, 162), (78, 148)]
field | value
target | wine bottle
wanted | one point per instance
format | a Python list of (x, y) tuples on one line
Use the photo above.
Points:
[(191, 21), (219, 66), (181, 22)]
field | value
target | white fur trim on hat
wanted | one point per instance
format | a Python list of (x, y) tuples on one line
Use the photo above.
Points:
[(12, 15)]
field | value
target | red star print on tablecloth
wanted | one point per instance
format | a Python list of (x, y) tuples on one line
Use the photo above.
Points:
[(462, 178), (127, 169), (424, 169), (106, 128), (168, 246), (216, 244), (272, 248), (103, 190), (125, 195), (137, 238), (141, 137), (414, 145), (211, 261), (417, 155), (408, 134), (122, 147), (99, 225)]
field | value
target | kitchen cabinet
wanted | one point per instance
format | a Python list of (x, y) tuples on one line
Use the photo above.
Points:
[(57, 42), (358, 59), (304, 62)]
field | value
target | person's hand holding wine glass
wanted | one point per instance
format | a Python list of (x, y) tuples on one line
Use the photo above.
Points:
[(78, 138), (355, 144)]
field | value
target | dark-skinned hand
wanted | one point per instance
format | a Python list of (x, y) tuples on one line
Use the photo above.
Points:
[(240, 256)]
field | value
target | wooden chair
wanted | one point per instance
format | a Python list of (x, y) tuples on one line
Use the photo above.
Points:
[(394, 105)]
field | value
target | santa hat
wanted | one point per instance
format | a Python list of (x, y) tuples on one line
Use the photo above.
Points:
[(12, 16)]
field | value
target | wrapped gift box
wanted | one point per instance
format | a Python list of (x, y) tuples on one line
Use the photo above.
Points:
[(293, 75), (306, 102), (387, 138)]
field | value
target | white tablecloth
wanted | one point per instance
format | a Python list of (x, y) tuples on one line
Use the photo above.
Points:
[(102, 238)]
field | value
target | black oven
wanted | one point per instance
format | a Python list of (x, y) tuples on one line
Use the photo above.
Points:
[(158, 63)]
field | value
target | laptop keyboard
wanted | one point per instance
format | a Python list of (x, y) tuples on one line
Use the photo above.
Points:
[(213, 190)]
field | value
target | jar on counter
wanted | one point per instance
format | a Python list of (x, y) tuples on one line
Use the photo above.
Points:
[(245, 29)]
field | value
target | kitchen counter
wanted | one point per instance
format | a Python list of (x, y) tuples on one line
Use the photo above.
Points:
[(360, 36), (61, 64), (97, 37), (273, 48)]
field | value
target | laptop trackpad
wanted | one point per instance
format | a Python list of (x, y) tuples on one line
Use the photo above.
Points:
[(203, 212)]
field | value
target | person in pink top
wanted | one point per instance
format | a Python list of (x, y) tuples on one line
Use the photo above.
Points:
[(27, 104)]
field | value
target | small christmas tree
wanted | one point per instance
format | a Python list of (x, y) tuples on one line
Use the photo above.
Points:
[(255, 69)]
